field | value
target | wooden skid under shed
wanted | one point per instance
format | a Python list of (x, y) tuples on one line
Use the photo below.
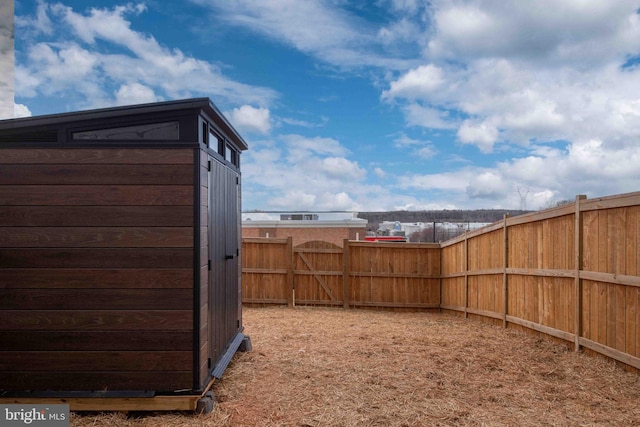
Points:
[(99, 404)]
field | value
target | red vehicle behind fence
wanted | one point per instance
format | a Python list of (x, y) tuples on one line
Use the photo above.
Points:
[(385, 239)]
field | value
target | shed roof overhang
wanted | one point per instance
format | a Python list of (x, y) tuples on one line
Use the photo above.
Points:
[(52, 123)]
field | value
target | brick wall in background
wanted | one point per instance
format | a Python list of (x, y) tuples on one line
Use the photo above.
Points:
[(335, 235)]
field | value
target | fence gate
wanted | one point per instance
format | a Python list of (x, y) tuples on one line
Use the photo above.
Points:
[(318, 273)]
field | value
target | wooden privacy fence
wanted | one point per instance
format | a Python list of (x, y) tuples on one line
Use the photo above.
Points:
[(572, 273), (569, 272), (359, 274)]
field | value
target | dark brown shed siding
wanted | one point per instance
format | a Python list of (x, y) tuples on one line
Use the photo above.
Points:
[(96, 269)]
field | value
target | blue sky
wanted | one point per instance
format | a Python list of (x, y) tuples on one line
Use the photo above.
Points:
[(367, 105)]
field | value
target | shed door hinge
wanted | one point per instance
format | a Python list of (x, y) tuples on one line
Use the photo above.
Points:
[(209, 265), (237, 180), (209, 165), (209, 362)]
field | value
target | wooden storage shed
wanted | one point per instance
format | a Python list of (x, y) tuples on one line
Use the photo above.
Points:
[(119, 251)]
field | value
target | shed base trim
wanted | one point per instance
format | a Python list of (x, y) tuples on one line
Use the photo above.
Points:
[(224, 361)]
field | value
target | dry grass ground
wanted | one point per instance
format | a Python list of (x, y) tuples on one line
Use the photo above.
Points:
[(334, 367)]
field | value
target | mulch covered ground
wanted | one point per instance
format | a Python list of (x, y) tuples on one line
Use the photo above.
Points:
[(334, 367)]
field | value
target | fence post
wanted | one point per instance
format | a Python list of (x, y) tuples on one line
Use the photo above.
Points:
[(346, 281), (505, 277), (440, 251), (291, 297), (466, 276), (578, 243)]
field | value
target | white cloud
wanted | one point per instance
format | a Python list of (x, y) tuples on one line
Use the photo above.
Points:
[(587, 164), (301, 147), (309, 25), (101, 23), (297, 199), (471, 187), (427, 152), (315, 27), (449, 181), (484, 135), (399, 31), (38, 24), (487, 185), (427, 117), (250, 119), (342, 169), (380, 173), (418, 83), (542, 118), (135, 93), (305, 173), (20, 110), (321, 121), (423, 149), (337, 201), (569, 32), (537, 180), (77, 60), (544, 78), (531, 171), (302, 200)]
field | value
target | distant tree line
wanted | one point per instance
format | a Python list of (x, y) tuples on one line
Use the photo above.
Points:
[(431, 234), (477, 215)]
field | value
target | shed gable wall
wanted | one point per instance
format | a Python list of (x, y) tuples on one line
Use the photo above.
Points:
[(96, 268)]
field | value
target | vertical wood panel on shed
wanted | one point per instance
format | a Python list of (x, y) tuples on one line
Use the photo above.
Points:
[(105, 236)]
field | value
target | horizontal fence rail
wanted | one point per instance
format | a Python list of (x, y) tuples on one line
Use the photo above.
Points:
[(571, 273)]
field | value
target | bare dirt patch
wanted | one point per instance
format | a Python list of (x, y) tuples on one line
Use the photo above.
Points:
[(334, 367)]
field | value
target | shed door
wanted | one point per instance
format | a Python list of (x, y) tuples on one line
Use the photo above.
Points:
[(224, 251)]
